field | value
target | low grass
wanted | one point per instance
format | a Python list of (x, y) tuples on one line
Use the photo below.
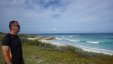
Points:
[(44, 53)]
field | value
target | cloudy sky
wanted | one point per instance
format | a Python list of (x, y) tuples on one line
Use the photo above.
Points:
[(58, 16)]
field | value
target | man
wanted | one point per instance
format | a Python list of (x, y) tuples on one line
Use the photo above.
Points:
[(11, 45)]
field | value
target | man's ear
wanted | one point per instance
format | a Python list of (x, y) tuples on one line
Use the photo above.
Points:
[(11, 27), (18, 28)]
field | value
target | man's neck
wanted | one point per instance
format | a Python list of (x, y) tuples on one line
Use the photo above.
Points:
[(13, 33)]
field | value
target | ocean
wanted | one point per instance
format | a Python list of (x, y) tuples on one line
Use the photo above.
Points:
[(100, 42)]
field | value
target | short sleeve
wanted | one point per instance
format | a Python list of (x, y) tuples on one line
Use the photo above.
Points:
[(5, 41)]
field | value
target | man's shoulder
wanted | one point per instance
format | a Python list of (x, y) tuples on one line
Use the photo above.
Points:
[(6, 40), (7, 36)]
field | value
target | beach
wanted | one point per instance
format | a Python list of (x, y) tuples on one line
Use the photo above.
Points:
[(49, 39), (89, 49)]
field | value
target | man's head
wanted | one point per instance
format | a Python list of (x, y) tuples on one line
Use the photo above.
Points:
[(14, 26)]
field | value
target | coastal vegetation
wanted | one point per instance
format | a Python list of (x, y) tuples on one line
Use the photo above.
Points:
[(37, 52)]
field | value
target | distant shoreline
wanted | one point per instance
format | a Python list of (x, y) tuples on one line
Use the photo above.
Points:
[(89, 49), (70, 33), (96, 50)]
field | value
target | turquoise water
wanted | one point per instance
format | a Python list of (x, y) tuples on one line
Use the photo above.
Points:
[(91, 40)]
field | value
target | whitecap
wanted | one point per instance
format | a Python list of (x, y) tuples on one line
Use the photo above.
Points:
[(58, 38), (70, 36), (74, 40), (95, 42)]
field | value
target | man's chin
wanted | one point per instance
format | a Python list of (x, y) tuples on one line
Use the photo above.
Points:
[(16, 32)]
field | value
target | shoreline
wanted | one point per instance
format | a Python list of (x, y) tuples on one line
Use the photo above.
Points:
[(88, 49), (53, 43), (96, 50), (84, 48)]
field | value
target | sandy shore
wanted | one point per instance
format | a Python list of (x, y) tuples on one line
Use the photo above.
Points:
[(89, 49), (41, 38), (97, 50), (54, 43)]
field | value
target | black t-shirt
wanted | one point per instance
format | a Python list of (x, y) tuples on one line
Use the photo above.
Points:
[(14, 43)]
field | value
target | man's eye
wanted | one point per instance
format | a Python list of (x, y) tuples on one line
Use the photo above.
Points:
[(16, 25)]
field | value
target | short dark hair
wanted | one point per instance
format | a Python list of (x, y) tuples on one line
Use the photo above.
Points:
[(12, 22)]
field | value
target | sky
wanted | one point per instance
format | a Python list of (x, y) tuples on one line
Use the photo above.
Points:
[(58, 16)]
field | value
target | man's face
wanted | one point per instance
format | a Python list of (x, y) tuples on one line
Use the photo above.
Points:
[(15, 27)]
